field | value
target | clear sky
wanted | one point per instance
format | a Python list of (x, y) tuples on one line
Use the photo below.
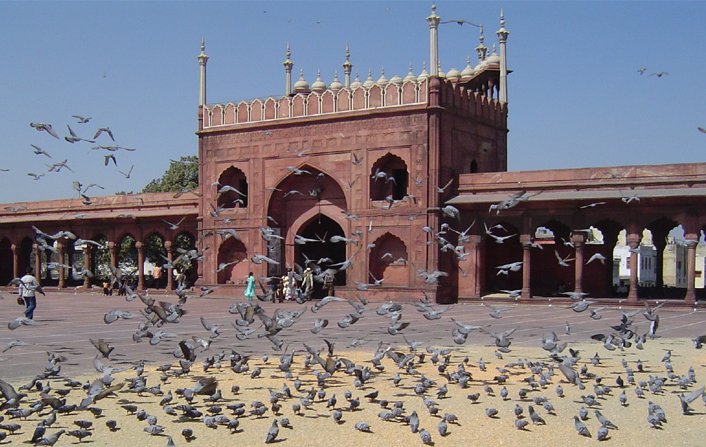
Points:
[(576, 98)]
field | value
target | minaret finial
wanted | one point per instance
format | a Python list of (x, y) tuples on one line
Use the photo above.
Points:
[(433, 21), (481, 49), (288, 64), (347, 68), (502, 39)]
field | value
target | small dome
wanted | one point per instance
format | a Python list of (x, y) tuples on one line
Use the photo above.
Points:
[(335, 84), (319, 86), (410, 75), (301, 85), (441, 73), (369, 82), (493, 59), (467, 72), (356, 82), (423, 75), (453, 75), (396, 80), (382, 80)]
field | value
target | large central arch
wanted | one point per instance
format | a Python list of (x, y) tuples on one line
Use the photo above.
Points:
[(318, 196), (321, 255)]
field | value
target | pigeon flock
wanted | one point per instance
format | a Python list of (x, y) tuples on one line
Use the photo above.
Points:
[(309, 373)]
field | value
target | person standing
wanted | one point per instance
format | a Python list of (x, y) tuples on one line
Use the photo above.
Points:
[(308, 282), (27, 290), (250, 287)]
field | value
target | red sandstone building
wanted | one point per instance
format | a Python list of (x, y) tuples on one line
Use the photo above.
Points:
[(399, 185)]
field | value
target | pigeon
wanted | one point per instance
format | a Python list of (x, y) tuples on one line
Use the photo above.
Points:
[(363, 426), (581, 427)]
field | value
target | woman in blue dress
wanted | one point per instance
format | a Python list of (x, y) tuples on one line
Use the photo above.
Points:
[(250, 287)]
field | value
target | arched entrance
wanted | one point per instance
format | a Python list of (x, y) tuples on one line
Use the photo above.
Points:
[(305, 203), (6, 260), (320, 256)]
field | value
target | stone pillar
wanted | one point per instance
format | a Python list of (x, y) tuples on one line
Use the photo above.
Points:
[(470, 280), (37, 263), (140, 265), (62, 271), (113, 250), (526, 241), (692, 241), (15, 262), (633, 240), (87, 265), (578, 240), (170, 270)]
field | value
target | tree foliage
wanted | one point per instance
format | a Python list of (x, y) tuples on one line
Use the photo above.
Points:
[(181, 175)]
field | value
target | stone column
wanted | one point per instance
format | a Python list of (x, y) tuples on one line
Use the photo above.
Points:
[(470, 280), (692, 241), (113, 250), (526, 241), (62, 272), (170, 270), (578, 240), (37, 263), (87, 265), (140, 265), (633, 240), (15, 262)]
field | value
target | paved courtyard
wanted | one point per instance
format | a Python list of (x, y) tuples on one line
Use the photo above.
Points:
[(65, 322)]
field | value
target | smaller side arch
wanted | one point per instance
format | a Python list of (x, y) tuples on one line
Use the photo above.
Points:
[(232, 189), (389, 176), (388, 261)]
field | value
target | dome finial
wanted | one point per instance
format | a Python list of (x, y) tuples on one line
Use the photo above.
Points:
[(481, 49)]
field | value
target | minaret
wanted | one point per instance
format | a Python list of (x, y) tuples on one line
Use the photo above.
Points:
[(433, 20), (288, 64), (502, 38), (202, 74), (347, 68), (481, 49)]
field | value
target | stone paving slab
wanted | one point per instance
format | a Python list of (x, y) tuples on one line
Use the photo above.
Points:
[(65, 322)]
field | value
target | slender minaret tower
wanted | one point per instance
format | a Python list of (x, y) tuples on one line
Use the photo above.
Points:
[(502, 38), (347, 68), (433, 20), (202, 74), (288, 64)]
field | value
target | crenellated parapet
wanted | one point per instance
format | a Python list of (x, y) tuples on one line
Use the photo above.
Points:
[(328, 102), (473, 102)]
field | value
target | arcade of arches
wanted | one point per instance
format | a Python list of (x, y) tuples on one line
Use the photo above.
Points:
[(110, 234)]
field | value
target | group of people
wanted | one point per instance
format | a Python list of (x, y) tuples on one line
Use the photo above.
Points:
[(287, 288)]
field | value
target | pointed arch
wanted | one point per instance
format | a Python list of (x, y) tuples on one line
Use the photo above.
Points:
[(322, 255), (388, 260), (183, 242), (295, 194), (389, 176), (6, 261), (232, 255), (234, 178)]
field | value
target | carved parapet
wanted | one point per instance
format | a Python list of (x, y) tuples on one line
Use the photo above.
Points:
[(315, 104)]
